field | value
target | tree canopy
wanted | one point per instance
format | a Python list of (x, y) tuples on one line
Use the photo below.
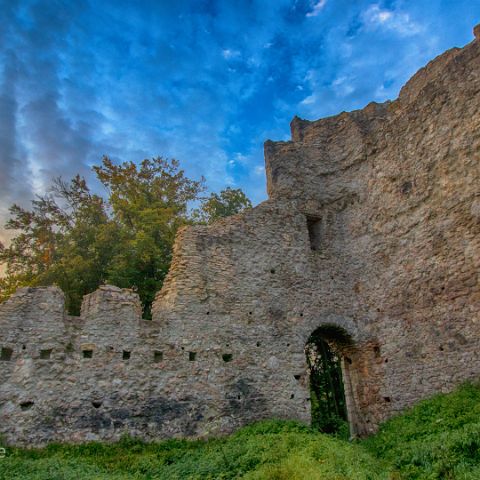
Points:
[(228, 202), (79, 240)]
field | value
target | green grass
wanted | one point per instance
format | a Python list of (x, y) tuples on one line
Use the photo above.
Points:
[(437, 439)]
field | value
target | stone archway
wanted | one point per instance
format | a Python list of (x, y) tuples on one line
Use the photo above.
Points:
[(328, 351)]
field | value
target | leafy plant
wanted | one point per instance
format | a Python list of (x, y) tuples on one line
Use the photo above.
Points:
[(229, 201)]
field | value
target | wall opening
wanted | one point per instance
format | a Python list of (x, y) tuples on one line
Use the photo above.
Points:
[(45, 354), (227, 357), (192, 356), (27, 405), (158, 356), (314, 225), (125, 355), (325, 353), (6, 354), (87, 353)]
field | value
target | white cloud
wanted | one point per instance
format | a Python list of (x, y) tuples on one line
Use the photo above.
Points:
[(229, 54), (259, 170), (317, 8), (242, 159), (343, 86), (309, 100), (399, 22), (383, 16)]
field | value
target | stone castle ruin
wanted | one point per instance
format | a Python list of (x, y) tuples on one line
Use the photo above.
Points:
[(370, 239)]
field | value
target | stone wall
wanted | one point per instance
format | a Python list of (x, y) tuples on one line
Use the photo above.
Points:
[(371, 229)]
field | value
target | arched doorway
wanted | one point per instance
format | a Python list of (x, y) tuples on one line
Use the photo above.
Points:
[(327, 359)]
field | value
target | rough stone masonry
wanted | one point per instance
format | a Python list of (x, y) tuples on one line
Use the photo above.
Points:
[(371, 232)]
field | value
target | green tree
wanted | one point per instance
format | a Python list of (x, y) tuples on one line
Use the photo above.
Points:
[(228, 202), (150, 202), (65, 239), (79, 240)]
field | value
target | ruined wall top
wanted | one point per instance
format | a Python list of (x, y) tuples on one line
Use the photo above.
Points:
[(334, 144)]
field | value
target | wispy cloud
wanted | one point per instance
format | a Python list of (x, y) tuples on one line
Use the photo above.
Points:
[(317, 8), (399, 22), (259, 170), (228, 54)]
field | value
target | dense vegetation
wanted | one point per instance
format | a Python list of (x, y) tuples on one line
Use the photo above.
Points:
[(327, 396), (228, 202), (437, 439), (78, 240)]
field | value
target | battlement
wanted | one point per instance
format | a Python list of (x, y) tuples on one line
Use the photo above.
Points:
[(371, 234)]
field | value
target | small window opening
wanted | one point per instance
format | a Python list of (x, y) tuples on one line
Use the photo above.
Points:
[(26, 405), (387, 399), (258, 344), (45, 354), (87, 353), (24, 347), (440, 348), (296, 377), (158, 356), (192, 356), (227, 357), (6, 354), (292, 396), (376, 351), (272, 271), (147, 311), (406, 187), (97, 403), (126, 355), (314, 226)]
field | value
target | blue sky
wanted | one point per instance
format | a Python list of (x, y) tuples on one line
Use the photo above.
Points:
[(206, 82)]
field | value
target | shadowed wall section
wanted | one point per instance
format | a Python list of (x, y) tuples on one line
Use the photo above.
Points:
[(372, 226)]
